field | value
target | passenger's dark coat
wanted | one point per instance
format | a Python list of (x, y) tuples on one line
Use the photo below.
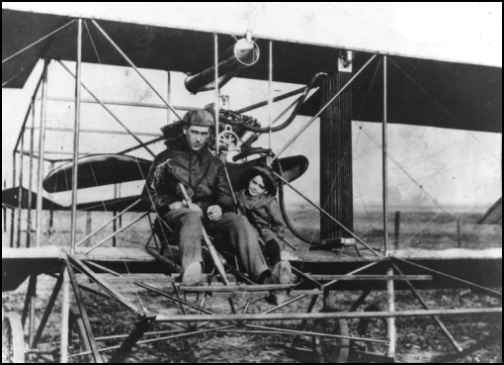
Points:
[(263, 212)]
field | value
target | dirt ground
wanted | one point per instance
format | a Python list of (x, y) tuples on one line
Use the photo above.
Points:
[(419, 340)]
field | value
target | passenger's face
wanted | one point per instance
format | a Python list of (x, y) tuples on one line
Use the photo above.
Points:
[(256, 186), (197, 136)]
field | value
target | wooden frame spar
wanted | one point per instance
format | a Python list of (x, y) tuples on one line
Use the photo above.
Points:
[(203, 319)]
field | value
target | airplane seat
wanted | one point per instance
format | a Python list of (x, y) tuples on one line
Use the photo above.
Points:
[(165, 234)]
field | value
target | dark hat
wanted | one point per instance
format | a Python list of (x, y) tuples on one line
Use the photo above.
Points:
[(199, 117), (269, 181)]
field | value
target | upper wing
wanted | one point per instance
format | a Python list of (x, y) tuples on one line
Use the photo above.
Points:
[(422, 92)]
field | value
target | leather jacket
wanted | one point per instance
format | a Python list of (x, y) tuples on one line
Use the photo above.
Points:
[(201, 173)]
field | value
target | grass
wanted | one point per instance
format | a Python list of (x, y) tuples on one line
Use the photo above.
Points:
[(417, 228)]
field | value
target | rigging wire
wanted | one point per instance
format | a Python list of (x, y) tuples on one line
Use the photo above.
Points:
[(34, 43), (415, 181), (447, 111), (102, 202), (124, 262), (283, 209), (426, 224), (355, 159), (88, 31), (370, 85), (433, 99), (160, 219), (139, 299), (415, 160)]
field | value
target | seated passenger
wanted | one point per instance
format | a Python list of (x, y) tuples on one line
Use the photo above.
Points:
[(257, 201)]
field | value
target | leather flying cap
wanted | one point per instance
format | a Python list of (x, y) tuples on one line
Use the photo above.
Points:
[(199, 117)]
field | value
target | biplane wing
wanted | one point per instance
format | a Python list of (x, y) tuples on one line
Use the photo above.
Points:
[(111, 169), (422, 92)]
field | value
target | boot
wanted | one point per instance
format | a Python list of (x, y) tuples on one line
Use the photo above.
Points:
[(282, 273), (192, 274)]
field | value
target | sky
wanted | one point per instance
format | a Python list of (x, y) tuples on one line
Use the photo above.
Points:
[(454, 168)]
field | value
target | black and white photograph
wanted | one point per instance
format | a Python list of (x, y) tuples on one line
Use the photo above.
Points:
[(251, 182)]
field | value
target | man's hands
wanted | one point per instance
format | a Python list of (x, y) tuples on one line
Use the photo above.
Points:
[(176, 205), (185, 193), (189, 191), (214, 212)]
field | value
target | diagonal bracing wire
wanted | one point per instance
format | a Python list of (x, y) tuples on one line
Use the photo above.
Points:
[(107, 109), (444, 108), (335, 96), (341, 225), (421, 187), (415, 181), (93, 44), (130, 62), (373, 79), (34, 43), (339, 164), (447, 111)]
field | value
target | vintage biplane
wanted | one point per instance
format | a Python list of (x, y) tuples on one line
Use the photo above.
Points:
[(415, 89)]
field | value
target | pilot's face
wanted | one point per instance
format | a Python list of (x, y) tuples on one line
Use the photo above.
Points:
[(256, 186), (197, 136)]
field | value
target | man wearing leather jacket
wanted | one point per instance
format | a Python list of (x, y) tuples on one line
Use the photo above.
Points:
[(191, 163)]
